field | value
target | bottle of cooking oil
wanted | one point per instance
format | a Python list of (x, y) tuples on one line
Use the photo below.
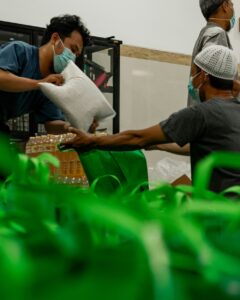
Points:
[(71, 170)]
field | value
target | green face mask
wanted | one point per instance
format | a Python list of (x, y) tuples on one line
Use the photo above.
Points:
[(232, 21), (60, 61), (193, 92)]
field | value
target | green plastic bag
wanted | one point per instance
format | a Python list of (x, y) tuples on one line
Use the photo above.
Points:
[(204, 171), (129, 167)]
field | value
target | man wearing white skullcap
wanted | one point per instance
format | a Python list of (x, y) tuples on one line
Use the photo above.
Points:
[(220, 18), (211, 125)]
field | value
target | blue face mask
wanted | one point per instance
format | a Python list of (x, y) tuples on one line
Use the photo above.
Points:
[(232, 21), (193, 92), (60, 61)]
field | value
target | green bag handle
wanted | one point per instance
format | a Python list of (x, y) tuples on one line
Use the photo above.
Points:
[(183, 194), (34, 170), (213, 262), (227, 209), (148, 234), (205, 168), (187, 189), (234, 189), (141, 186), (45, 159), (163, 192), (96, 184), (125, 158), (222, 263), (149, 201)]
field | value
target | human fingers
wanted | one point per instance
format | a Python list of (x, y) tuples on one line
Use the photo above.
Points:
[(70, 143), (58, 79), (74, 130)]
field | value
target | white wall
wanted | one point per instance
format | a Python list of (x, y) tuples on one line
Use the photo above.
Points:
[(169, 25), (150, 92)]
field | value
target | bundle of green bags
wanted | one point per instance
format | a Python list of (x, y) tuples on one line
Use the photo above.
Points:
[(134, 243)]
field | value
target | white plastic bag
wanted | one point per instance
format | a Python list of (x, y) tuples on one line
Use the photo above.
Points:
[(168, 170)]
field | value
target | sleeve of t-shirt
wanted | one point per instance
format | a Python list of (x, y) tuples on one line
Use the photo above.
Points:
[(185, 126), (216, 37), (12, 57), (48, 111)]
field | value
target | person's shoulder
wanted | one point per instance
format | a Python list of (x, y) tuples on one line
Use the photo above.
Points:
[(216, 103), (22, 44), (210, 102), (213, 30), (202, 107), (17, 46)]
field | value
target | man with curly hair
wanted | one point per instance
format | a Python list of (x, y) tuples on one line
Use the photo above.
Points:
[(23, 66)]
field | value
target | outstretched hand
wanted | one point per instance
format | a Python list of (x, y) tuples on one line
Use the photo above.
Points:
[(81, 141)]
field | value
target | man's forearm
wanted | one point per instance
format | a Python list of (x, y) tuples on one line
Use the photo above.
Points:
[(126, 140), (15, 84), (173, 148), (12, 83)]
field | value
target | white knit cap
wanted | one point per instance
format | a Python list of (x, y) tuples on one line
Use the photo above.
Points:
[(218, 61)]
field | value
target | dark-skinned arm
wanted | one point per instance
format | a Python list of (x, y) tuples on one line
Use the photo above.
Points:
[(172, 148), (10, 82), (126, 140)]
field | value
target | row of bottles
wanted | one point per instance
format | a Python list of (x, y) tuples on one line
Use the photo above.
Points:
[(71, 170)]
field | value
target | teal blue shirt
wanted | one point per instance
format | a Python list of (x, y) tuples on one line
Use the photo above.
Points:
[(22, 60)]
